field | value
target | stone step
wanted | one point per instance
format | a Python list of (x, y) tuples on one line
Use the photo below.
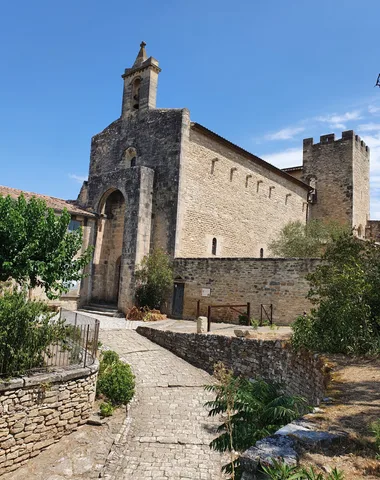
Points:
[(103, 309)]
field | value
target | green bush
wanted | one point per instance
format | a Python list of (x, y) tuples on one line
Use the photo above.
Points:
[(106, 409), (26, 333), (279, 470), (375, 429), (251, 410), (116, 380), (345, 290)]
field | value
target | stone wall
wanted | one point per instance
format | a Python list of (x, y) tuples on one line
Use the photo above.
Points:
[(37, 411), (233, 196), (275, 361), (373, 230), (280, 281)]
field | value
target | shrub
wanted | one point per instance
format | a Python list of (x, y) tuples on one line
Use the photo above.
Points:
[(279, 470), (347, 298), (155, 278), (26, 333), (116, 380), (252, 410), (375, 429), (106, 409), (109, 357)]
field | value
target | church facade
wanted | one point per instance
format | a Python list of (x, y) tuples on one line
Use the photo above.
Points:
[(157, 179)]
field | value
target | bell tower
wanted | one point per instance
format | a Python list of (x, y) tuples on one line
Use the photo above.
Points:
[(140, 84)]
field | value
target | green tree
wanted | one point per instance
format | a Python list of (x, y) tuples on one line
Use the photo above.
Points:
[(36, 248), (346, 294), (155, 278), (299, 240)]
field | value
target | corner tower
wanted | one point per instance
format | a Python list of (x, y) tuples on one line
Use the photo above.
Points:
[(140, 84), (338, 170)]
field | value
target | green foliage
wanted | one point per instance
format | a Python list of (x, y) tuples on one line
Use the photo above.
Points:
[(345, 290), (35, 247), (310, 240), (155, 279), (106, 409), (375, 429), (26, 333), (281, 471), (251, 411), (116, 380)]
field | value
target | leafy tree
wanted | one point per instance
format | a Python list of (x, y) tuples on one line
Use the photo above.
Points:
[(345, 290), (252, 410), (36, 248), (155, 278), (310, 240)]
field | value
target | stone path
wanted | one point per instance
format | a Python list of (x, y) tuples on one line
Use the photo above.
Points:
[(170, 430)]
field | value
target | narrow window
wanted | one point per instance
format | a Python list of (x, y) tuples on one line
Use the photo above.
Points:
[(133, 162), (73, 225), (261, 253), (136, 94), (214, 245)]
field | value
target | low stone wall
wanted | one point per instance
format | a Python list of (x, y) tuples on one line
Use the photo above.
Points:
[(37, 411), (273, 360), (277, 281)]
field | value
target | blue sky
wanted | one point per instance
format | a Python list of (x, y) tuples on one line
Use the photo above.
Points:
[(263, 73)]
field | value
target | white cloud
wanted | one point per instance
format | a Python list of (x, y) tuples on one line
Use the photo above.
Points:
[(78, 178), (337, 121), (368, 127), (292, 157), (285, 133), (373, 109)]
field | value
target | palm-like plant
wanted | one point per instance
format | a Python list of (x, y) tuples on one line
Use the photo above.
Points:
[(251, 410)]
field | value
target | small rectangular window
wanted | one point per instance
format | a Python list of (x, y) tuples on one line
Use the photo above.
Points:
[(74, 225)]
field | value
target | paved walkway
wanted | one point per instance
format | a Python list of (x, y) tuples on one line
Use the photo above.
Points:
[(170, 430)]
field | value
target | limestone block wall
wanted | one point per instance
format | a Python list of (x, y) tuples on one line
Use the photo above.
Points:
[(37, 411), (340, 170), (373, 230), (278, 281), (275, 361), (227, 195)]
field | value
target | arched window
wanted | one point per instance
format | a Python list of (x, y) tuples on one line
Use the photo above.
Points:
[(214, 245), (136, 94), (261, 253), (129, 157)]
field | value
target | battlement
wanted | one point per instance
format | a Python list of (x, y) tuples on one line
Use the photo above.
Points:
[(347, 136)]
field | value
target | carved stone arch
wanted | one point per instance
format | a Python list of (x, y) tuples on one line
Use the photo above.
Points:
[(129, 157), (136, 85), (104, 197)]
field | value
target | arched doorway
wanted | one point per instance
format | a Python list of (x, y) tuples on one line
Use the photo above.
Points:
[(108, 250)]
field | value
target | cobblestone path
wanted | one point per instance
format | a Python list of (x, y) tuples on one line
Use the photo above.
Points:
[(170, 430)]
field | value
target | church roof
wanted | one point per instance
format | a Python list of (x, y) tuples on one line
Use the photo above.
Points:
[(248, 155), (57, 204)]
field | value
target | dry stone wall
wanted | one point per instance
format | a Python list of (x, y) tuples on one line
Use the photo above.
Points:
[(37, 411), (300, 373), (277, 281)]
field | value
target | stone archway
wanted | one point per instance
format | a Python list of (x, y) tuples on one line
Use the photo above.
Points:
[(108, 249)]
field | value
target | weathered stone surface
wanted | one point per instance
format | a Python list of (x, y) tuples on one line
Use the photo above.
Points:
[(300, 373), (31, 420)]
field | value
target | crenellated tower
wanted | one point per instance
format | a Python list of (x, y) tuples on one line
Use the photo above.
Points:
[(338, 171), (140, 84)]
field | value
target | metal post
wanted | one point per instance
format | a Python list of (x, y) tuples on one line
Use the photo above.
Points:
[(248, 314), (209, 318), (85, 349), (271, 313), (75, 321), (198, 308), (261, 315)]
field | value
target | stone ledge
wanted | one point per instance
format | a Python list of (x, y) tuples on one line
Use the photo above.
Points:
[(58, 375)]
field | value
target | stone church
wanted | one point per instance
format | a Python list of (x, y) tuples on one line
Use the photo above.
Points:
[(157, 179)]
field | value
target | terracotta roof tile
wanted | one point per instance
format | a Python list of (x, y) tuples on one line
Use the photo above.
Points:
[(57, 204)]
